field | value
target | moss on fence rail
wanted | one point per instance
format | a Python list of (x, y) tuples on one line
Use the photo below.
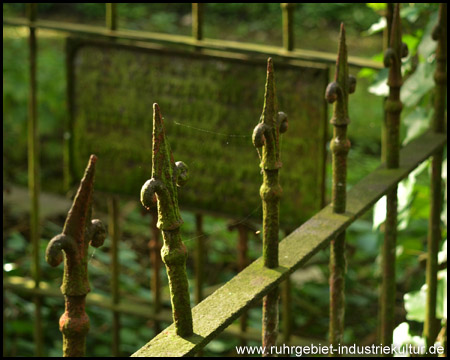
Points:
[(251, 284)]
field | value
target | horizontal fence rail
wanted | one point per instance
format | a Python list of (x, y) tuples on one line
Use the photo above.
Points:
[(251, 284), (222, 45)]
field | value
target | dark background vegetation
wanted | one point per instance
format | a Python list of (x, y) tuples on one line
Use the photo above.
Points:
[(316, 28)]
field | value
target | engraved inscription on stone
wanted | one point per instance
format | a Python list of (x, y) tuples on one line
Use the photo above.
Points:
[(210, 106)]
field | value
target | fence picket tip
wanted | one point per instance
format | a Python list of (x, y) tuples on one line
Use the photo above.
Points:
[(79, 231), (167, 176)]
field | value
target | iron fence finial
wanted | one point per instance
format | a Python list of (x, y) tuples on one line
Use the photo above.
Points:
[(266, 135), (166, 176), (337, 92), (396, 50), (78, 232)]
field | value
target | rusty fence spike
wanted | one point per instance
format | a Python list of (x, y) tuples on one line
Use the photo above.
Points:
[(266, 135), (166, 176), (72, 247), (337, 92), (393, 108), (154, 246), (432, 324)]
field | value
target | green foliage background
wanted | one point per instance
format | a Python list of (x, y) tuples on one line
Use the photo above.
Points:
[(316, 28)]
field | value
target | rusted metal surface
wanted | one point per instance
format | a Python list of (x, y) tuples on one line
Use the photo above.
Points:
[(288, 25), (199, 257), (155, 260), (432, 324), (114, 233), (393, 108), (72, 245), (286, 310), (243, 229), (266, 136), (337, 93), (256, 280), (166, 176)]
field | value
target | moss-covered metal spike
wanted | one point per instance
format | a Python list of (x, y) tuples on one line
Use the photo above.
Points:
[(267, 135), (396, 51), (393, 108), (344, 84), (337, 92), (440, 75), (166, 176), (78, 232)]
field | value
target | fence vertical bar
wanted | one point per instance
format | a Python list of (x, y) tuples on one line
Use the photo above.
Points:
[(432, 325), (243, 229), (199, 261), (393, 107), (386, 37), (72, 244), (337, 92), (197, 21), (389, 12), (114, 233), (266, 136), (288, 25), (155, 260), (199, 251), (286, 305), (113, 209), (242, 264), (111, 16), (166, 176), (288, 44), (33, 176)]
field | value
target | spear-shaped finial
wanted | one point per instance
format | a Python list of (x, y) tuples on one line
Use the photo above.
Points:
[(267, 135), (440, 75), (393, 107), (166, 176), (78, 232), (337, 92), (396, 50)]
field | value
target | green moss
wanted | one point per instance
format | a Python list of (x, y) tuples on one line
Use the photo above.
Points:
[(255, 281), (114, 88)]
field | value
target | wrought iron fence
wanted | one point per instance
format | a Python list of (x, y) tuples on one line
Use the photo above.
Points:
[(194, 328)]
